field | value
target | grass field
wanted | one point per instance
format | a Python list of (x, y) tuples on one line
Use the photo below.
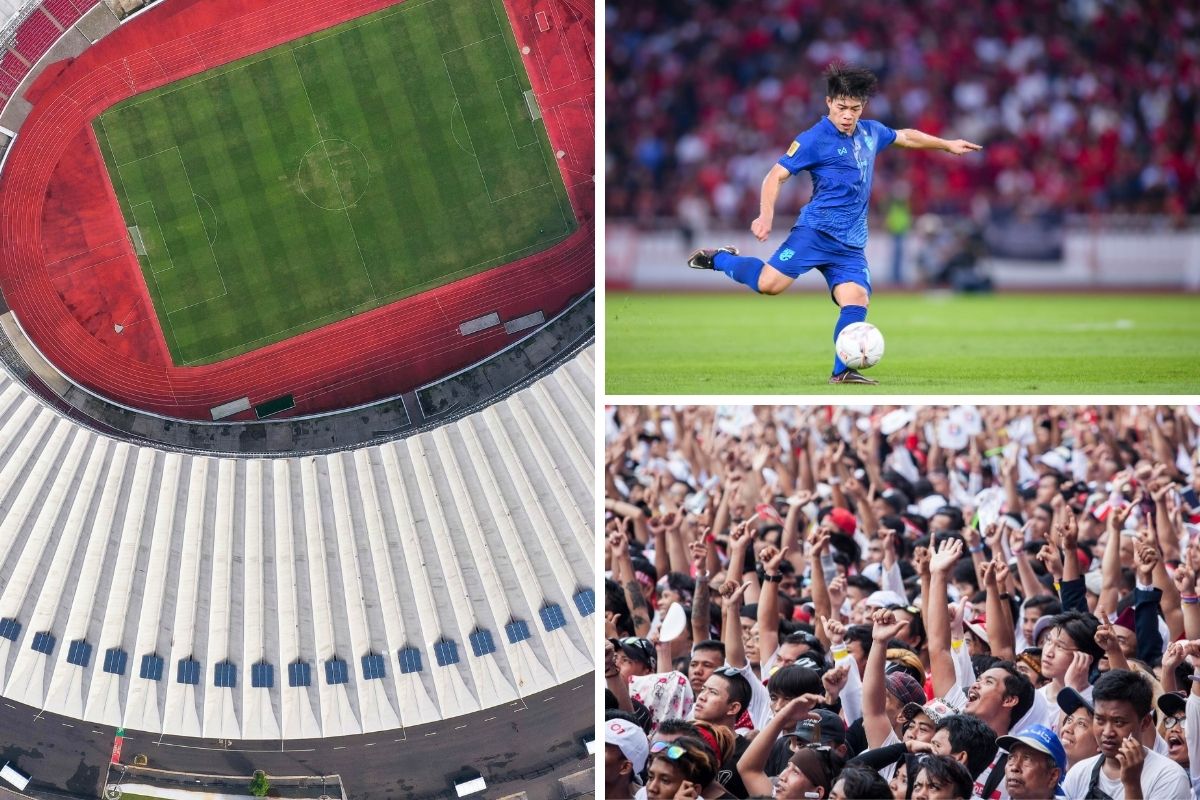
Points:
[(1000, 344), (332, 175)]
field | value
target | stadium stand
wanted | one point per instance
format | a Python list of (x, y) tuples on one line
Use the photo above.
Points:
[(421, 579), (35, 36), (1080, 106), (66, 12)]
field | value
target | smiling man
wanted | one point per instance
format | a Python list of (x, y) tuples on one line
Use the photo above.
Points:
[(1124, 769)]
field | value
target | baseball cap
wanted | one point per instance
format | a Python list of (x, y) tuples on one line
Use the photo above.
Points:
[(637, 649), (1039, 627), (1093, 582), (1172, 703), (844, 520), (978, 628), (885, 598), (814, 767), (936, 710), (1042, 739), (1071, 701), (821, 727), (630, 739), (904, 687)]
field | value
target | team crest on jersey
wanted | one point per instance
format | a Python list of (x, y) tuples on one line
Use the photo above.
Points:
[(793, 148), (786, 254), (842, 151)]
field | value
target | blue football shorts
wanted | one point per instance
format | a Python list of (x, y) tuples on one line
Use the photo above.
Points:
[(808, 248)]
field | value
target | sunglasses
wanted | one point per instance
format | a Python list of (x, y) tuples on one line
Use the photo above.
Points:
[(671, 751), (1171, 722), (727, 672)]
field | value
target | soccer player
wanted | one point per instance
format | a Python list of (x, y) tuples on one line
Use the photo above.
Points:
[(831, 231)]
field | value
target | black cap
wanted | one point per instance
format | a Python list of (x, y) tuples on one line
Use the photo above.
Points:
[(1172, 703), (641, 650), (829, 729), (1071, 701)]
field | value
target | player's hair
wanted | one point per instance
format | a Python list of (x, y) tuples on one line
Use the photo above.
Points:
[(792, 681), (738, 688), (855, 83)]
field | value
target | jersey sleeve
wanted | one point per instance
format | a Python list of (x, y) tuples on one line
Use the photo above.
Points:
[(801, 154), (883, 134)]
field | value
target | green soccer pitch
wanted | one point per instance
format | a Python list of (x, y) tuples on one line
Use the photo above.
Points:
[(332, 175), (739, 343)]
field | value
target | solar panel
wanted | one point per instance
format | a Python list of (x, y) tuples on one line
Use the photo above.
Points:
[(79, 653), (114, 661), (152, 668), (262, 675), (552, 617), (188, 672), (517, 630), (373, 666), (336, 672), (10, 629), (300, 674), (225, 675), (410, 660), (585, 601), (43, 642), (446, 653), (481, 643)]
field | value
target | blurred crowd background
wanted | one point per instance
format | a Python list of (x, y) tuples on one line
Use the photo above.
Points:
[(1083, 106)]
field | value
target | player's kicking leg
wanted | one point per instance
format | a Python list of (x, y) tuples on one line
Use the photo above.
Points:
[(852, 298), (751, 272)]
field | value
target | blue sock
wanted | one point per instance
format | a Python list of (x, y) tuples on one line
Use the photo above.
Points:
[(743, 269), (849, 315)]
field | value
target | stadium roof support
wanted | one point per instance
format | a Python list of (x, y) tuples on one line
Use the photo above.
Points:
[(201, 596)]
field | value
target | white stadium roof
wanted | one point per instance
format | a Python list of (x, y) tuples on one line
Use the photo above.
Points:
[(382, 587)]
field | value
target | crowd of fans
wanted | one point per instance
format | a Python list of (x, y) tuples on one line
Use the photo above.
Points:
[(902, 602), (1087, 105)]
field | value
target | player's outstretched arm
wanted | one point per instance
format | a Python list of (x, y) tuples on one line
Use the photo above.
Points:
[(761, 227), (918, 140)]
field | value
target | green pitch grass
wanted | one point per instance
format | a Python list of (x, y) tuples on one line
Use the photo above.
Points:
[(999, 344), (332, 175)]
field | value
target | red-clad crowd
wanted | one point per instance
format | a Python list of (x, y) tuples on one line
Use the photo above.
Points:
[(1087, 106)]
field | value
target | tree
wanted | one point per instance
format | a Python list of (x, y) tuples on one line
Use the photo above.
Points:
[(259, 786)]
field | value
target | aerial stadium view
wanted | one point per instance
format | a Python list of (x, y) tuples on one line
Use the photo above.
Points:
[(1007, 194), (296, 413)]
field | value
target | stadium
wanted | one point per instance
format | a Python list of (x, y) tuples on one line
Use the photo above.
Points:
[(296, 420), (1063, 258)]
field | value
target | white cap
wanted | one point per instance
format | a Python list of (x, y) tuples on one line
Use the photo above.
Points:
[(884, 598), (630, 739)]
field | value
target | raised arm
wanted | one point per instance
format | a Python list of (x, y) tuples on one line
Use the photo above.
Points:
[(914, 139), (884, 628), (937, 627), (639, 610), (768, 603), (1000, 628), (731, 628), (701, 624), (753, 762)]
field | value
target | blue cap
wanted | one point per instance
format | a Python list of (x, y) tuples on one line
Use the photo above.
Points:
[(1042, 739)]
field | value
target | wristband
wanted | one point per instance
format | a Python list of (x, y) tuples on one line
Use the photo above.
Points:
[(976, 549), (1190, 599), (956, 644), (1005, 596), (776, 578)]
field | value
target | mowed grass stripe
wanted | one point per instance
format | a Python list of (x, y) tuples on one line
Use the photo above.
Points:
[(290, 255)]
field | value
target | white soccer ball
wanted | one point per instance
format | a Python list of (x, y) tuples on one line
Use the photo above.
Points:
[(859, 345)]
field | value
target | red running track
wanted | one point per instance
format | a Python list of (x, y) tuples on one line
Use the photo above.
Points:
[(69, 272)]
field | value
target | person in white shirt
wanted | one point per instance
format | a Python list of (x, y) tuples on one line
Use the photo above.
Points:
[(1125, 769)]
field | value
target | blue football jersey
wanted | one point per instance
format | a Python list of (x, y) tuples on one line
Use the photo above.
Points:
[(842, 168)]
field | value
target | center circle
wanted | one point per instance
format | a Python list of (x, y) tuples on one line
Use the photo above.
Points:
[(333, 174)]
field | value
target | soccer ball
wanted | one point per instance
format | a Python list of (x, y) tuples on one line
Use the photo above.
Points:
[(859, 345)]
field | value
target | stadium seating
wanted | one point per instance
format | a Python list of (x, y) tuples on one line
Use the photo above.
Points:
[(67, 12), (1080, 107), (35, 36), (256, 599)]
